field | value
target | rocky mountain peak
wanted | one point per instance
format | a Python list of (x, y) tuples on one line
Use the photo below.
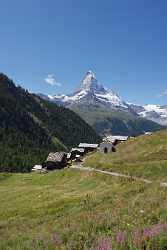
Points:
[(90, 83), (91, 92)]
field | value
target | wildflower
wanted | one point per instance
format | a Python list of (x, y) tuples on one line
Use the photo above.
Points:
[(147, 234), (157, 229), (103, 244), (120, 237), (140, 237)]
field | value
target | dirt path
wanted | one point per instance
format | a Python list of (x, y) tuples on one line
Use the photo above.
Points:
[(82, 168)]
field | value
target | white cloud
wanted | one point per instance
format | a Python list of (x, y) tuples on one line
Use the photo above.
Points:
[(164, 93), (51, 80)]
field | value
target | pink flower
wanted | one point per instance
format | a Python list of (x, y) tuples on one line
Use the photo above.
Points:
[(120, 237), (153, 231)]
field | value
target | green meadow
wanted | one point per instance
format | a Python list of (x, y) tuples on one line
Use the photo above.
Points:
[(74, 210)]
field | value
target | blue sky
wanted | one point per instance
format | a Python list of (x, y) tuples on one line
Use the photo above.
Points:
[(123, 41)]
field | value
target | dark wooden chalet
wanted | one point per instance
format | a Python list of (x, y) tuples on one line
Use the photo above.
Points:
[(55, 160)]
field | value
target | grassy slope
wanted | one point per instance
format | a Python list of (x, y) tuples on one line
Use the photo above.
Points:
[(144, 156), (69, 209)]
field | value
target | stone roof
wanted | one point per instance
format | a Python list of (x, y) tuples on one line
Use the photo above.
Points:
[(56, 157), (106, 143), (87, 145), (114, 138)]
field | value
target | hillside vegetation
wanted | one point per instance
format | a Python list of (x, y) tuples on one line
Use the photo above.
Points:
[(143, 156), (31, 127), (74, 210)]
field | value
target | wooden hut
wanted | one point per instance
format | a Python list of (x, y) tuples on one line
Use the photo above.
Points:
[(55, 160)]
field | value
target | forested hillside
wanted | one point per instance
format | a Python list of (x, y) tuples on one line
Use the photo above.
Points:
[(31, 127)]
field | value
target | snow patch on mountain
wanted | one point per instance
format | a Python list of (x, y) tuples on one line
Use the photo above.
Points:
[(72, 98), (111, 98), (152, 112), (162, 111)]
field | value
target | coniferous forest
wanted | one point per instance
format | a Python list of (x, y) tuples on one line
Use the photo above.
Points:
[(31, 127)]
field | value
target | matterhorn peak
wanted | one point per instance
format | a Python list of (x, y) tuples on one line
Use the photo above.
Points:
[(91, 91), (90, 83), (90, 73)]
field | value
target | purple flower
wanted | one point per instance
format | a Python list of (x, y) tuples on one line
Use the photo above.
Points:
[(103, 244), (120, 237), (147, 233), (155, 230), (140, 237)]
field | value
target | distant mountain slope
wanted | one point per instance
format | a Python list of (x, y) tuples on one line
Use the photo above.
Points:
[(30, 127), (103, 109), (114, 122)]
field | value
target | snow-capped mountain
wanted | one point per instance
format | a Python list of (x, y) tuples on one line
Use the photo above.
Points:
[(154, 113), (106, 111), (91, 91)]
